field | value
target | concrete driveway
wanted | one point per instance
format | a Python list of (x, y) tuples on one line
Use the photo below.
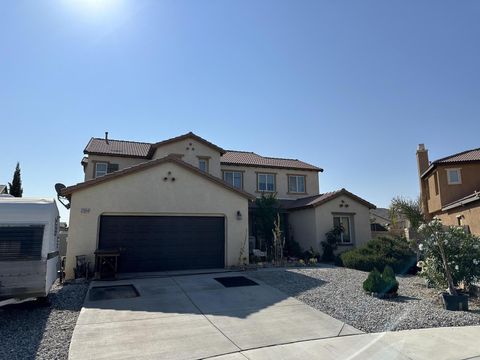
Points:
[(192, 317)]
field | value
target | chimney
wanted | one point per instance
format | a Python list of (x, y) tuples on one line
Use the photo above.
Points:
[(106, 137), (423, 164), (422, 159)]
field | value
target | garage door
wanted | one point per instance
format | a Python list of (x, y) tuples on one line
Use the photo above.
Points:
[(158, 243)]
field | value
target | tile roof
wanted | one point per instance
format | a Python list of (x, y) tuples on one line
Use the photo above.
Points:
[(461, 157), (125, 148), (245, 158), (469, 155), (189, 135), (313, 201), (118, 148)]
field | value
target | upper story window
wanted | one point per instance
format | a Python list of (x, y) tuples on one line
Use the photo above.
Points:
[(454, 177), (296, 184), (101, 169), (203, 164), (266, 182), (345, 223), (234, 178)]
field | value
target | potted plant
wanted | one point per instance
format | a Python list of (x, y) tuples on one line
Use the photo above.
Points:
[(451, 258)]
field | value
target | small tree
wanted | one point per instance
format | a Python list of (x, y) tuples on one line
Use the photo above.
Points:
[(266, 212), (15, 187), (412, 211), (278, 241)]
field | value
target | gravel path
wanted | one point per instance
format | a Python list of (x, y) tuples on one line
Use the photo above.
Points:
[(338, 292), (29, 331)]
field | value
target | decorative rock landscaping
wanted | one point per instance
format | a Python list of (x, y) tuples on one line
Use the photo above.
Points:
[(338, 292), (30, 331)]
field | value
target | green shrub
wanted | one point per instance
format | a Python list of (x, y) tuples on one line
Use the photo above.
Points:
[(374, 282), (390, 280), (338, 260), (379, 253), (330, 244), (293, 248), (381, 283), (308, 254)]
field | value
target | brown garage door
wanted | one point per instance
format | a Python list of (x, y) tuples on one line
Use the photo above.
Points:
[(158, 243)]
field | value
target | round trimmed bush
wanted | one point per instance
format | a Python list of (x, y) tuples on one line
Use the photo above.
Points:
[(381, 283)]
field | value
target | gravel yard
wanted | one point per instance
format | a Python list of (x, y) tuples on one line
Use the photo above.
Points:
[(29, 331), (338, 292)]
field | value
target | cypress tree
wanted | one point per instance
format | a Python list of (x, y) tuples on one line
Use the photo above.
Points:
[(15, 187)]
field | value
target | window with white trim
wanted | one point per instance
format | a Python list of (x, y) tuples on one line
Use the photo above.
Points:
[(296, 184), (454, 177), (344, 222), (266, 182), (101, 169), (234, 178)]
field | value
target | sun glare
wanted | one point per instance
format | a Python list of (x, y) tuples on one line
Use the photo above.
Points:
[(95, 7), (98, 5)]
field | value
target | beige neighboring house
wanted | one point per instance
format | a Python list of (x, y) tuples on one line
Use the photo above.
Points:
[(3, 189), (186, 203), (450, 188)]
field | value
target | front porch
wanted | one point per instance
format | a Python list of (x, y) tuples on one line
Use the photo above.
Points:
[(258, 240)]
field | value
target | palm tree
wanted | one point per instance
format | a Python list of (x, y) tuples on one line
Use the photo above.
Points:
[(412, 211)]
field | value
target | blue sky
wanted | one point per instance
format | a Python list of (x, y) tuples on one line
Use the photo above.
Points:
[(350, 86)]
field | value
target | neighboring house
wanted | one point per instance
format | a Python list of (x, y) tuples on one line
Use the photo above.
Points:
[(381, 223), (199, 200), (449, 188), (3, 189)]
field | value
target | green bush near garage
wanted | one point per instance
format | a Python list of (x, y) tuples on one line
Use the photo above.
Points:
[(379, 253)]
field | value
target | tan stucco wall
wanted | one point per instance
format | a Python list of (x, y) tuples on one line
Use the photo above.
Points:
[(250, 180), (449, 193), (471, 217), (433, 199), (122, 162), (311, 234), (303, 227), (146, 192), (190, 155), (470, 176)]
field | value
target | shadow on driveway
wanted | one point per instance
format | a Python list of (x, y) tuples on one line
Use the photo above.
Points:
[(196, 294)]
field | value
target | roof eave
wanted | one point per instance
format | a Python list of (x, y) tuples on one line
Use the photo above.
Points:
[(460, 203), (98, 153), (334, 196), (272, 167), (436, 164)]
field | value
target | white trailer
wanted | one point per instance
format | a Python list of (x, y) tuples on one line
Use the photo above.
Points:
[(28, 247)]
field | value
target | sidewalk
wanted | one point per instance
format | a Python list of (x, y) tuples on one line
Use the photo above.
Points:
[(423, 344)]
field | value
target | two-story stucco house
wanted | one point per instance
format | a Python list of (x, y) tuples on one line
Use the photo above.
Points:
[(185, 203), (450, 188)]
